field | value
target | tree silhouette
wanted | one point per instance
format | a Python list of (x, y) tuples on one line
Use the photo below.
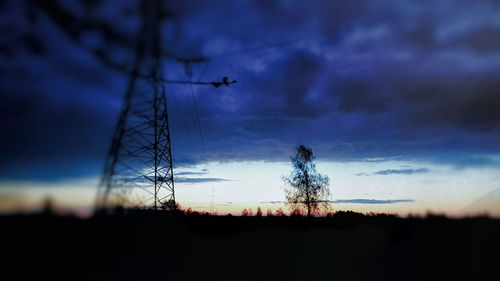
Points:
[(170, 205), (269, 213), (308, 190), (296, 213), (244, 213), (259, 212)]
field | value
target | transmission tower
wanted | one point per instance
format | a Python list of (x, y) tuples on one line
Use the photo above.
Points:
[(212, 210), (138, 171)]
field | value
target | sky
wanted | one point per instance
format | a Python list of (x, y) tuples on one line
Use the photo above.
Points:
[(399, 100)]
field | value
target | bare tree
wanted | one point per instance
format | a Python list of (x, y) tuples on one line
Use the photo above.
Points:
[(308, 190)]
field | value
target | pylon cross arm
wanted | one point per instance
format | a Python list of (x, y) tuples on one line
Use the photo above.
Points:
[(216, 84)]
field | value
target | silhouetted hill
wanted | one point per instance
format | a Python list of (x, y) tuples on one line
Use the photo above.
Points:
[(485, 204), (160, 246)]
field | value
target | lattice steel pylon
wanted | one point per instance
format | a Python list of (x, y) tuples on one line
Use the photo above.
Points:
[(138, 171)]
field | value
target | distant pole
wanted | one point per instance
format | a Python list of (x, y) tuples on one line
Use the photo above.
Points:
[(212, 202)]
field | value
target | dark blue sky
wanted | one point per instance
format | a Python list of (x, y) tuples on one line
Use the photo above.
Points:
[(356, 81)]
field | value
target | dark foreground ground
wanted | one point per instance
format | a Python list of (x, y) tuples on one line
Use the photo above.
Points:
[(152, 246)]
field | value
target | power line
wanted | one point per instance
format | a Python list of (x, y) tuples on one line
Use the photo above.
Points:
[(195, 103), (196, 158)]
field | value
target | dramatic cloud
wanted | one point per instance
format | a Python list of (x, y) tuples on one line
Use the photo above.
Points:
[(354, 80)]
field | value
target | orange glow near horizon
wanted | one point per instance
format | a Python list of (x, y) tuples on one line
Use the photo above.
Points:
[(441, 191)]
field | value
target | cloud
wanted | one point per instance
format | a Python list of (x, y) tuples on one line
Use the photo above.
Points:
[(355, 201), (190, 173), (60, 183), (372, 201), (198, 180), (353, 80), (401, 171), (291, 81), (480, 39), (272, 202)]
